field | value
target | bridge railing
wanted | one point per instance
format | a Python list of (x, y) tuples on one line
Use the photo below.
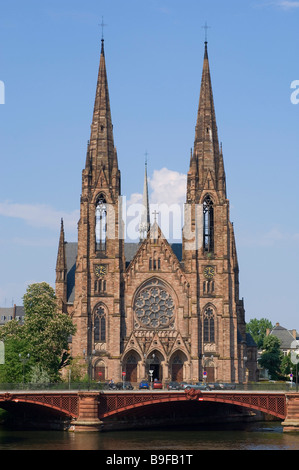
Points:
[(83, 386)]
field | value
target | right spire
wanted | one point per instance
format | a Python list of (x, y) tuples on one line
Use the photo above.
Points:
[(207, 157)]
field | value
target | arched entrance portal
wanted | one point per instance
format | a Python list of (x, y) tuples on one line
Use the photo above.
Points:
[(177, 366), (153, 366), (209, 369), (131, 368)]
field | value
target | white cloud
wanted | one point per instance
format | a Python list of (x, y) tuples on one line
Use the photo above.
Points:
[(283, 4), (270, 238), (40, 215), (168, 187), (287, 5)]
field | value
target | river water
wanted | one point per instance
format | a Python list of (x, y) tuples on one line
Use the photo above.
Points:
[(254, 436)]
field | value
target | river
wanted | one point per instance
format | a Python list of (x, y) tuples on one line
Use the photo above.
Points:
[(254, 436)]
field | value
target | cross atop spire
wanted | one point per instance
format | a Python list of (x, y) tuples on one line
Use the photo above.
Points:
[(103, 26), (206, 27)]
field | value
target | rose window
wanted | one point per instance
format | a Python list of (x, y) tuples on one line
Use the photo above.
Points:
[(154, 306)]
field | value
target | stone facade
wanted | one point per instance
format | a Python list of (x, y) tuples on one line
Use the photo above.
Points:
[(172, 309)]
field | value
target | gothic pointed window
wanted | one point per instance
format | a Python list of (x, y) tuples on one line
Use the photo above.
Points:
[(209, 326), (208, 224), (100, 325), (101, 223)]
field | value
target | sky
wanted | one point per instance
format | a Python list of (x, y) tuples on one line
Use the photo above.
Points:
[(49, 58)]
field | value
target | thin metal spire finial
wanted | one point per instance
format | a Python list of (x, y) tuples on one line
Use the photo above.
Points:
[(206, 27), (103, 26)]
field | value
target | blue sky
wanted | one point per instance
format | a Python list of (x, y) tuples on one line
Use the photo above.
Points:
[(49, 57)]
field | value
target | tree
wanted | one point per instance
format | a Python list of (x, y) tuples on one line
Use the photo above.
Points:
[(258, 329), (271, 357), (41, 343), (46, 330), (16, 348)]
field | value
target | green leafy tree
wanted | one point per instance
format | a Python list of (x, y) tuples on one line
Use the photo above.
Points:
[(258, 329), (286, 365), (271, 357), (38, 375), (41, 343), (16, 348), (46, 330)]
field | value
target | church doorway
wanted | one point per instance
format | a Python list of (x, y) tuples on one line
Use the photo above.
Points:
[(131, 368), (154, 367), (99, 372), (209, 369), (177, 367)]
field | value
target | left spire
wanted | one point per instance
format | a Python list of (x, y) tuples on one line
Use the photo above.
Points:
[(102, 153)]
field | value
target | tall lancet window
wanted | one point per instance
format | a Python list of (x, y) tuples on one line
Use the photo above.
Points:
[(101, 223), (100, 325), (209, 326), (208, 224)]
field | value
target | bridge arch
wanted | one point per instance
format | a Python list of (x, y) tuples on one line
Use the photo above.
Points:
[(272, 404), (63, 404)]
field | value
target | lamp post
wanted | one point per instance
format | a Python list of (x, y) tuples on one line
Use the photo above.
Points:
[(151, 371), (24, 361), (88, 360), (244, 367)]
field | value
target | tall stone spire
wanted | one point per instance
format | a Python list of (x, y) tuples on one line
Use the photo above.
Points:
[(102, 154), (61, 273), (61, 259), (145, 215), (206, 152)]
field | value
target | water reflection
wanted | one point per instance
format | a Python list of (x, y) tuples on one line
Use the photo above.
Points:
[(261, 436)]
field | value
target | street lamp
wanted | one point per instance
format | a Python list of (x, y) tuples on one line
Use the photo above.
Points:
[(244, 367), (24, 361), (88, 359), (151, 371)]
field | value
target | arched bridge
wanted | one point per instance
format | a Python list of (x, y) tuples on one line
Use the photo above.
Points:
[(89, 410)]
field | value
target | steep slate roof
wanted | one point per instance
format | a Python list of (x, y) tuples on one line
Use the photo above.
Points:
[(284, 335), (7, 314)]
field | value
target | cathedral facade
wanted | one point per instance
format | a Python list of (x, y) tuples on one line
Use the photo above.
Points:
[(154, 309)]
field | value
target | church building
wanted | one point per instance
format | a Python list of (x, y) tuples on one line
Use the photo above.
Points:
[(154, 309)]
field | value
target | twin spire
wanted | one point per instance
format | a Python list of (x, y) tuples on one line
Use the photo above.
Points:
[(101, 154), (206, 160)]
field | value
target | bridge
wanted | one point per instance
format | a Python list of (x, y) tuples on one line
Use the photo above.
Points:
[(90, 410)]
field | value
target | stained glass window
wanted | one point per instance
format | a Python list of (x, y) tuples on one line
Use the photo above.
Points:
[(154, 306)]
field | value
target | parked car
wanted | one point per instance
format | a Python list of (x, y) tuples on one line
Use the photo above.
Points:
[(174, 386), (215, 386), (124, 386), (157, 385), (197, 386), (183, 385), (144, 385), (109, 386), (228, 386)]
